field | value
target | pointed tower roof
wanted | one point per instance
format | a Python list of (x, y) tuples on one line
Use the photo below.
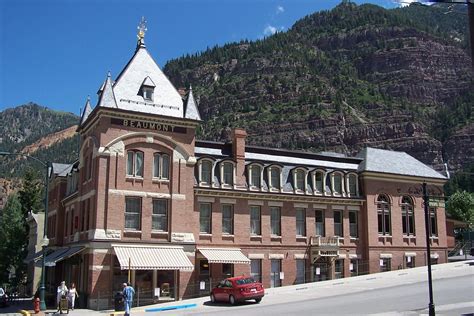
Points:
[(107, 96), (191, 111), (87, 111)]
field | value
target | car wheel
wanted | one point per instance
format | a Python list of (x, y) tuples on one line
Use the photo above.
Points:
[(258, 300), (232, 300), (213, 298)]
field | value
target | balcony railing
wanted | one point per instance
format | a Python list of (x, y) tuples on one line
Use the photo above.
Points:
[(324, 246)]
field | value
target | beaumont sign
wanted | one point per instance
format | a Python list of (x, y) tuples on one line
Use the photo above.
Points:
[(149, 125)]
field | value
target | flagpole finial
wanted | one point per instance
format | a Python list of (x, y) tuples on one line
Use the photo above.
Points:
[(141, 32)]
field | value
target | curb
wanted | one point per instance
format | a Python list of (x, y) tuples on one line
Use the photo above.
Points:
[(25, 313), (168, 308)]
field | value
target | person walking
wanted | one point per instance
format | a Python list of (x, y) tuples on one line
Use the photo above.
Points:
[(61, 292), (128, 293), (72, 294)]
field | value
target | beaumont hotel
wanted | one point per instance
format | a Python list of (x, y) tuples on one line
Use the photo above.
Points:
[(181, 214)]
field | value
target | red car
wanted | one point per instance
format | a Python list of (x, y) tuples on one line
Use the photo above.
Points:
[(238, 289)]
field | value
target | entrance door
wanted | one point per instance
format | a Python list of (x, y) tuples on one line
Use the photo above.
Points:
[(322, 271)]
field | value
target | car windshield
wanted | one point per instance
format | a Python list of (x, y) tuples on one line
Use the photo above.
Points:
[(245, 281)]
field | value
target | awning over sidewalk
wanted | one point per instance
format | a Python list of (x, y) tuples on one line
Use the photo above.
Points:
[(224, 255), (61, 254), (152, 258)]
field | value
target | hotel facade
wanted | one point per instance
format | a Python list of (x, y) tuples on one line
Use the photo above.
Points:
[(149, 202)]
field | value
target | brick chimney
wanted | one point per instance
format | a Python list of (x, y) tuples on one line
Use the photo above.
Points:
[(238, 151)]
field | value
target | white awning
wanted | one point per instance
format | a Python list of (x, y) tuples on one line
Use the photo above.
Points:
[(224, 255), (61, 254), (152, 258)]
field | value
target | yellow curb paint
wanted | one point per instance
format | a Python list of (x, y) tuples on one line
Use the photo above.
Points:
[(26, 313)]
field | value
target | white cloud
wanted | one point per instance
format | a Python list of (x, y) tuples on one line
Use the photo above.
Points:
[(404, 3), (269, 30), (280, 9)]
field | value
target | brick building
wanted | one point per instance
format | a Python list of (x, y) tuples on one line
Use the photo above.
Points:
[(180, 214)]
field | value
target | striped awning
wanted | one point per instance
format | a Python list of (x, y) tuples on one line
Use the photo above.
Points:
[(137, 257), (61, 254), (224, 255)]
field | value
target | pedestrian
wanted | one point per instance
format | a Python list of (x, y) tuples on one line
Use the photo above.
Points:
[(61, 292), (72, 294), (128, 293)]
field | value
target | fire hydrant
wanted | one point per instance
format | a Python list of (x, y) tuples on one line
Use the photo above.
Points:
[(36, 305)]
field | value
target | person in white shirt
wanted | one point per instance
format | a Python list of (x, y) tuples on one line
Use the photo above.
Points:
[(62, 291)]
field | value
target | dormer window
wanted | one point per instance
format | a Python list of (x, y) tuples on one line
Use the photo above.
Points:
[(299, 180), (227, 174), (147, 88), (274, 176), (206, 172), (255, 176)]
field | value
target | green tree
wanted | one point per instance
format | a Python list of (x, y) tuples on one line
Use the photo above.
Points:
[(12, 242), (460, 206), (31, 193)]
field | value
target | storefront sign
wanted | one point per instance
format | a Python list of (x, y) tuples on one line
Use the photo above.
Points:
[(155, 126)]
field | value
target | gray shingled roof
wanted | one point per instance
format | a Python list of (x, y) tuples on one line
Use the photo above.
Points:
[(192, 111), (87, 111), (395, 162)]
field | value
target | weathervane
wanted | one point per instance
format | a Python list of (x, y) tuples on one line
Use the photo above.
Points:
[(141, 32)]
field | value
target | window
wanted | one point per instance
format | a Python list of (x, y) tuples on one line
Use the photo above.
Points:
[(408, 221), (409, 262), (135, 163), (228, 173), (385, 264), (319, 219), (338, 223), (275, 219), (433, 223), (227, 270), (319, 186), (228, 219), (300, 180), (206, 172), (300, 222), (255, 221), (339, 268), (160, 215), (383, 215), (337, 183), (89, 167), (256, 269), (255, 176), (275, 273), (205, 218), (161, 166), (133, 210), (354, 267), (353, 185), (300, 271), (353, 229), (275, 178), (147, 93)]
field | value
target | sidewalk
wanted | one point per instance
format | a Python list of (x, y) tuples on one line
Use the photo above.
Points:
[(320, 289)]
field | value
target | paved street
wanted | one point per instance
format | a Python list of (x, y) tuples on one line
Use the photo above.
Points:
[(401, 292)]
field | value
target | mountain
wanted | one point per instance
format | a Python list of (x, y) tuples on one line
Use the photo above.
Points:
[(37, 131), (344, 79)]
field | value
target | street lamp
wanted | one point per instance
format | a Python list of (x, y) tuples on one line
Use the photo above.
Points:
[(45, 241), (431, 307)]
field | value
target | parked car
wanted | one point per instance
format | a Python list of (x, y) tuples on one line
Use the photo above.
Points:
[(471, 252), (237, 289), (3, 298)]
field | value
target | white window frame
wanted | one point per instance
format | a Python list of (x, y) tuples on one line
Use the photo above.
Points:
[(348, 191), (227, 222), (250, 170), (227, 185), (133, 174), (158, 216), (313, 178), (160, 156), (269, 176), (384, 212), (301, 221), (295, 179), (211, 180), (146, 90), (407, 212), (334, 193)]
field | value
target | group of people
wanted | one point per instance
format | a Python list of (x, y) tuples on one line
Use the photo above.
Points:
[(70, 294)]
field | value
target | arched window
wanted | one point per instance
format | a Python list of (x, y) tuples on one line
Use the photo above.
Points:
[(383, 215), (134, 163), (408, 220), (205, 172), (274, 178), (161, 166), (227, 173), (255, 176), (337, 185), (299, 180), (353, 185), (319, 181)]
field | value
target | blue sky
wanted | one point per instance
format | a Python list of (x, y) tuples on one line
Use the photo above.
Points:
[(57, 52)]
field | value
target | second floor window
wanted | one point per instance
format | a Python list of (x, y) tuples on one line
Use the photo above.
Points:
[(160, 215), (205, 218), (319, 219), (255, 221), (338, 223), (133, 210), (383, 215), (300, 222), (275, 219), (408, 221), (228, 173), (228, 219), (135, 163), (161, 166), (353, 227)]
